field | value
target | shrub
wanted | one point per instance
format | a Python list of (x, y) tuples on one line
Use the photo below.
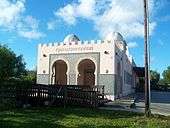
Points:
[(7, 103)]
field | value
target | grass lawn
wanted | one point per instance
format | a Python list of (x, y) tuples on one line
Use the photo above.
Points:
[(78, 118)]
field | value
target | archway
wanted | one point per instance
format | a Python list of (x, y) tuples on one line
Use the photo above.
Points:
[(86, 69), (60, 72)]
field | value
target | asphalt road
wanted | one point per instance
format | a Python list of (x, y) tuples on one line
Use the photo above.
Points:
[(160, 102)]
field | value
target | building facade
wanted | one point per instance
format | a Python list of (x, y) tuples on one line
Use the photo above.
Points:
[(97, 62)]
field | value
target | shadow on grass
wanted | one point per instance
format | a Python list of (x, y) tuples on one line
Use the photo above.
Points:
[(68, 117), (97, 113), (29, 124)]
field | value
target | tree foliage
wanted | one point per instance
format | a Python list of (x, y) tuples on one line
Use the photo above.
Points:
[(11, 65), (30, 76), (166, 75), (154, 78)]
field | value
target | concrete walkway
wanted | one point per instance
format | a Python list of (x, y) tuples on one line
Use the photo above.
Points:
[(160, 103)]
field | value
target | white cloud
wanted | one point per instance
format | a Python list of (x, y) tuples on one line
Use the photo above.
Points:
[(31, 34), (31, 22), (84, 9), (124, 16), (12, 18), (10, 12), (67, 13), (132, 45), (28, 28), (51, 25)]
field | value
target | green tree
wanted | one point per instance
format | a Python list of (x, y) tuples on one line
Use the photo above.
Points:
[(154, 78), (19, 69), (10, 64), (166, 75), (161, 82), (30, 76)]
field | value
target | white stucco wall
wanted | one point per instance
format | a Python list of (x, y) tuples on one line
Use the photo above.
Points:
[(106, 60), (111, 52)]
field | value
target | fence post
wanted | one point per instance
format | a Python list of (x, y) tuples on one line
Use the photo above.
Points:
[(38, 95), (65, 96), (94, 99), (103, 93), (97, 99)]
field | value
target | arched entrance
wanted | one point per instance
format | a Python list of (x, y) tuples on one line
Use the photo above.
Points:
[(86, 69), (60, 72)]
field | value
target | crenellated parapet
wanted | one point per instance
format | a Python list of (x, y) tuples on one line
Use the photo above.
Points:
[(80, 43), (72, 40)]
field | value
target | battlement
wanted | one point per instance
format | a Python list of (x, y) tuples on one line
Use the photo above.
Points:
[(81, 43)]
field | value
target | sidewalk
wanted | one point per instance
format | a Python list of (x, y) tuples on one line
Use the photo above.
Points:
[(122, 106), (162, 109)]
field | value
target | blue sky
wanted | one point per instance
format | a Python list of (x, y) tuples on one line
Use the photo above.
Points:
[(26, 23)]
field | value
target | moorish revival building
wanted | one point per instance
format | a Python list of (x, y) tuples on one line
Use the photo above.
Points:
[(97, 62)]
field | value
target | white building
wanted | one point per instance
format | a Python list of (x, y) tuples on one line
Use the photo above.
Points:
[(96, 62)]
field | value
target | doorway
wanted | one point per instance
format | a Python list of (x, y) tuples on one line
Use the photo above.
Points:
[(60, 72), (86, 76)]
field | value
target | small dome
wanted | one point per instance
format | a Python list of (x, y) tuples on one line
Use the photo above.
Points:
[(114, 36), (71, 38)]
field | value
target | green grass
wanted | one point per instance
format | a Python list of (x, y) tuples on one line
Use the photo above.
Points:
[(78, 118)]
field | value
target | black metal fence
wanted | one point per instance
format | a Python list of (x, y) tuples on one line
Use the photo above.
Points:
[(53, 95)]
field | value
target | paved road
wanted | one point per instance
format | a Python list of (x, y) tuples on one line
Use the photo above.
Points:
[(156, 97), (160, 103)]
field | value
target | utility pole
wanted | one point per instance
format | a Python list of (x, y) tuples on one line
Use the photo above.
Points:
[(146, 51)]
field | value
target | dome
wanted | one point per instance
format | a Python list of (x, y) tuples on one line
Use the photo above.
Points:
[(71, 38), (114, 36)]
